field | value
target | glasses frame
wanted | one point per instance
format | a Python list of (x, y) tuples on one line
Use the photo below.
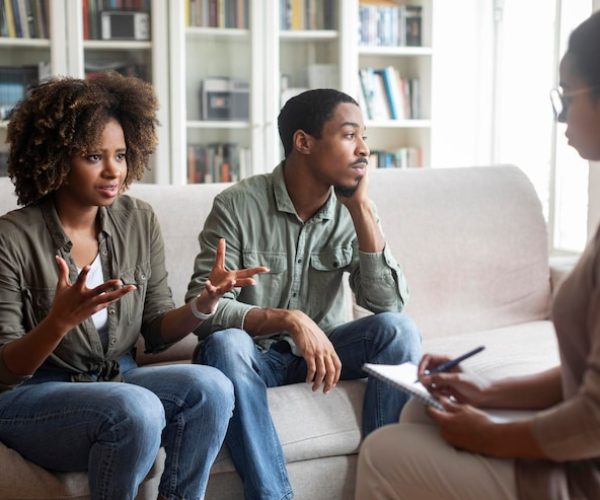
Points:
[(560, 100)]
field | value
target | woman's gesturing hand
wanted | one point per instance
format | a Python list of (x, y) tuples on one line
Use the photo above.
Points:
[(75, 302), (220, 280)]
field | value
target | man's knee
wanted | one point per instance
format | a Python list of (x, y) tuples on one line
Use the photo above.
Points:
[(399, 334), (226, 349), (398, 325), (205, 384)]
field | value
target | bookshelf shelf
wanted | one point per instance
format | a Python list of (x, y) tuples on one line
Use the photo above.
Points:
[(116, 45), (422, 124), (216, 33), (394, 51), (24, 42), (307, 35), (212, 124)]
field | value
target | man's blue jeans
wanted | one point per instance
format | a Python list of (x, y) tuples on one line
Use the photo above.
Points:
[(113, 430), (252, 440)]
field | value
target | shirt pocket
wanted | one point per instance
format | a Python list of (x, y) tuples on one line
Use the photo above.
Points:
[(132, 304), (327, 268), (269, 286)]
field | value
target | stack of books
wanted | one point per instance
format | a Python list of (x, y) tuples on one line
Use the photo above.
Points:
[(408, 157), (217, 162), (14, 82), (24, 18), (386, 95), (217, 13), (306, 14), (390, 25)]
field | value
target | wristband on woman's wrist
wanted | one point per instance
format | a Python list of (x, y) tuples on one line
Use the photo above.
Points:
[(199, 314)]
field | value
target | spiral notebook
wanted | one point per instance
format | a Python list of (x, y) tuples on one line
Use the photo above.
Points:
[(404, 377)]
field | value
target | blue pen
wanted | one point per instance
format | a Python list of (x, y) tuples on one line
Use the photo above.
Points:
[(453, 362)]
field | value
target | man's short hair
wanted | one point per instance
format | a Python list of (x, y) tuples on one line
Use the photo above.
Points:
[(308, 111)]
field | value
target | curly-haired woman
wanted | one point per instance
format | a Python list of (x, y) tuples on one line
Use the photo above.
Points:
[(82, 273)]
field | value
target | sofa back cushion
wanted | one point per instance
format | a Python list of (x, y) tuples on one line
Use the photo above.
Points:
[(472, 243), (181, 212)]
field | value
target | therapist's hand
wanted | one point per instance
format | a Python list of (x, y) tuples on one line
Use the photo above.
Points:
[(464, 386), (464, 427)]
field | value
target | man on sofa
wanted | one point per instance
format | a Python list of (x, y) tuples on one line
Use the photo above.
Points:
[(309, 221)]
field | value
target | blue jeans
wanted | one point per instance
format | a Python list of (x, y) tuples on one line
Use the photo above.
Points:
[(252, 440), (113, 430)]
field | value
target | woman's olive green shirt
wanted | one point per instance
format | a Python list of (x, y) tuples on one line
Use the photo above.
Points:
[(131, 249)]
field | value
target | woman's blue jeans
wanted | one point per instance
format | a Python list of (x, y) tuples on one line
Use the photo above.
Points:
[(114, 430), (252, 439)]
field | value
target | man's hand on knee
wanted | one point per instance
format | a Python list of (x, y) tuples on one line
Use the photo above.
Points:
[(322, 362)]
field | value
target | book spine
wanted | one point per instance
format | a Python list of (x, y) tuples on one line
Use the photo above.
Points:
[(10, 19)]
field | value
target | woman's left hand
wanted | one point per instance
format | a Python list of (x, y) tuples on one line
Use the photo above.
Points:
[(221, 280), (464, 426)]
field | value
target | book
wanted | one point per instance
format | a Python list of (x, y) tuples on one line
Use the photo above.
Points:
[(404, 378)]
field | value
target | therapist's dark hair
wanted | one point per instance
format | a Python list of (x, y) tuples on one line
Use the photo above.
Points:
[(583, 51)]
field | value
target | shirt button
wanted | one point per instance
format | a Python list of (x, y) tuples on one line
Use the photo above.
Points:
[(299, 261), (294, 294), (111, 311), (112, 341)]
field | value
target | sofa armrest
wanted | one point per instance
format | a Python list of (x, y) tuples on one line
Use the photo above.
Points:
[(560, 267)]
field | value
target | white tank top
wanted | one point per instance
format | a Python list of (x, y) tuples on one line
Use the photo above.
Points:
[(100, 319)]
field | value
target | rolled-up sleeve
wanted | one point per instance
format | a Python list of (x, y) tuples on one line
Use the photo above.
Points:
[(11, 306), (158, 300), (378, 282)]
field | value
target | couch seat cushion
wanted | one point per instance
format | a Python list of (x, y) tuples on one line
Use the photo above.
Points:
[(513, 350), (310, 424)]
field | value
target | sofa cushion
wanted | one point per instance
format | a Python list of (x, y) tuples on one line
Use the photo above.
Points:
[(475, 258), (310, 424), (31, 481), (515, 350)]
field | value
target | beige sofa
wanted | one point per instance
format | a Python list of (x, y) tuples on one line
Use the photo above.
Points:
[(473, 245)]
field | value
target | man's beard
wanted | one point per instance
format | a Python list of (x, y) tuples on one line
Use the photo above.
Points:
[(347, 191)]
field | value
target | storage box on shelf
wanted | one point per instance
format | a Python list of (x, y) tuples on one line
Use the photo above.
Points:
[(212, 112)]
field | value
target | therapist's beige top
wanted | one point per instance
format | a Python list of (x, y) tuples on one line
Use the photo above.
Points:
[(569, 433)]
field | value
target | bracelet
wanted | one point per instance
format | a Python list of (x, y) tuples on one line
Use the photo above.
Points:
[(199, 314)]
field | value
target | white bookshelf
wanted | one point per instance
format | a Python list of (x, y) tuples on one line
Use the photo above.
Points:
[(181, 56), (67, 53)]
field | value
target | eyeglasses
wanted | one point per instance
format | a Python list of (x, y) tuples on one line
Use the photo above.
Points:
[(561, 100)]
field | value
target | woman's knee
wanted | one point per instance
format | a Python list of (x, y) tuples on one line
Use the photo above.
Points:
[(136, 409)]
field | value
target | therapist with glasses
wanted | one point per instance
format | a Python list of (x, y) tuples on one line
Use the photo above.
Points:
[(458, 452)]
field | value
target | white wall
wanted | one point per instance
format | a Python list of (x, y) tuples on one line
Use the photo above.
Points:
[(462, 75)]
